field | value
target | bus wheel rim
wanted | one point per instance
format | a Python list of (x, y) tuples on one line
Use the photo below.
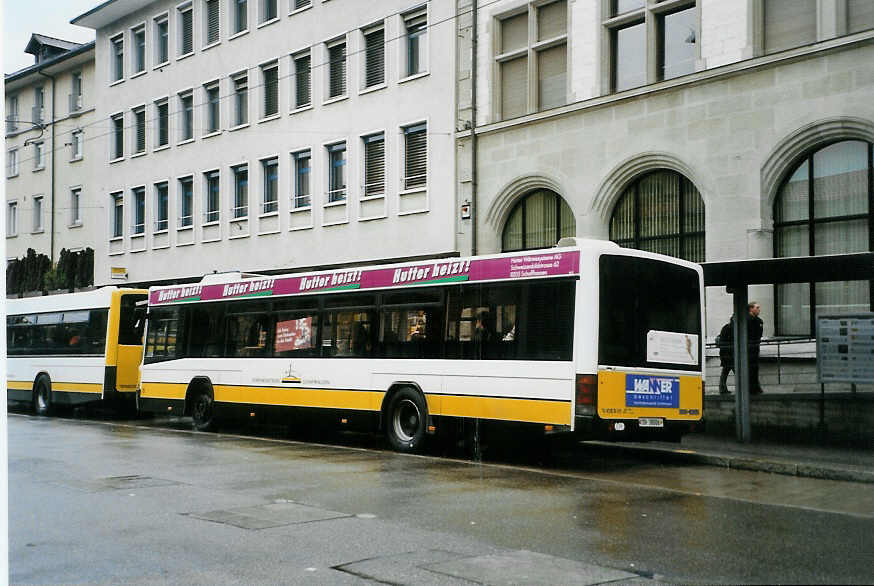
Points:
[(41, 398), (406, 420)]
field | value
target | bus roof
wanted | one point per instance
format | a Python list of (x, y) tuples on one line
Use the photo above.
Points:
[(97, 298)]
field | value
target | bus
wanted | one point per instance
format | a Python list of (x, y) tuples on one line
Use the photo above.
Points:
[(586, 338), (74, 348)]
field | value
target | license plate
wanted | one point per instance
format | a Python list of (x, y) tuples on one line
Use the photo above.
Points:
[(651, 422)]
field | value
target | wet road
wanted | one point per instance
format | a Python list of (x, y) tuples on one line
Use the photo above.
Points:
[(151, 502)]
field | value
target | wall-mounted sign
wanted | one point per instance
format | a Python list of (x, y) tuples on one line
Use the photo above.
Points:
[(845, 348), (118, 273)]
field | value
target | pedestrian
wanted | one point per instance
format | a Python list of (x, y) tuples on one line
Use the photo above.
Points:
[(725, 341), (755, 328)]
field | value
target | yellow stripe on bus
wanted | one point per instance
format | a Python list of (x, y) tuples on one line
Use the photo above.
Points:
[(59, 386), (19, 385), (506, 409)]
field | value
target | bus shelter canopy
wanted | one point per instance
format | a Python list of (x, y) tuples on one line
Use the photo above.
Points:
[(795, 269)]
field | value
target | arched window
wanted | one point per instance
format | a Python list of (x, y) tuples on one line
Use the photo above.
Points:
[(824, 206), (538, 220), (662, 212)]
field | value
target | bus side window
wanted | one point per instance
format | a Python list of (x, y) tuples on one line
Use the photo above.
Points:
[(206, 330), (462, 306), (348, 333), (248, 335), (296, 335)]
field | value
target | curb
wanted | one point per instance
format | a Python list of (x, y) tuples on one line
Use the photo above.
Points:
[(737, 462)]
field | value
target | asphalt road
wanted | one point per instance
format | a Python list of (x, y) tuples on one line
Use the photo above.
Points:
[(151, 502)]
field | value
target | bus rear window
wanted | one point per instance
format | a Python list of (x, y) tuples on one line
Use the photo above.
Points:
[(131, 320), (639, 295)]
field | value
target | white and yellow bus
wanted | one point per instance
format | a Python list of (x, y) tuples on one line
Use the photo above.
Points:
[(586, 337), (74, 348)]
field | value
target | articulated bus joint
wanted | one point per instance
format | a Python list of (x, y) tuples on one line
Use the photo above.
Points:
[(110, 376)]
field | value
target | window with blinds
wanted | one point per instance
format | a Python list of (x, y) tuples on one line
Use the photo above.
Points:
[(118, 136), (337, 70), (270, 181), (140, 130), (298, 4), (662, 211), (374, 54), (270, 80), (789, 23), (336, 172), (162, 126), (241, 100), (374, 165), (212, 23), (240, 208), (301, 179), (186, 30), (302, 81), (538, 220), (415, 156), (532, 59)]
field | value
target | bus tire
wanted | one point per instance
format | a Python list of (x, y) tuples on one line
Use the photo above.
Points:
[(202, 407), (406, 420), (42, 396)]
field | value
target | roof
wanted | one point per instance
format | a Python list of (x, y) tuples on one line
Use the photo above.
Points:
[(108, 12), (78, 50), (798, 269), (37, 41)]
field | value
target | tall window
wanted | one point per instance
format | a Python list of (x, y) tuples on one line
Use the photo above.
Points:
[(37, 213), (269, 10), (117, 136), (374, 165), (186, 202), (301, 179), (39, 101), (416, 41), (270, 79), (538, 220), (239, 15), (162, 206), (75, 92), (270, 181), (139, 200), (12, 114), (337, 70), (212, 22), (116, 51), (337, 172), (662, 212), (302, 81), (374, 57), (11, 218), (117, 214), (162, 40), (185, 37), (39, 161), (139, 41), (415, 156), (212, 111), (139, 130), (543, 46), (670, 45), (75, 206), (162, 123), (211, 196), (241, 191), (824, 207), (241, 99), (186, 115), (76, 145)]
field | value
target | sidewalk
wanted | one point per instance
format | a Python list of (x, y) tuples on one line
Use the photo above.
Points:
[(833, 463)]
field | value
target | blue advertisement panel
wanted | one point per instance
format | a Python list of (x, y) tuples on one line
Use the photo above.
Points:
[(643, 390)]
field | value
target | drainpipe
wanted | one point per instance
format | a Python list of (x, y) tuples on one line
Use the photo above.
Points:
[(52, 188), (473, 138)]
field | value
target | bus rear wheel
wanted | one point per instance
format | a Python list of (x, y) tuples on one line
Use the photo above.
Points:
[(202, 412), (42, 396), (406, 421)]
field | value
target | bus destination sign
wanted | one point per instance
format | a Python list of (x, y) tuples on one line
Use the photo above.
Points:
[(523, 266)]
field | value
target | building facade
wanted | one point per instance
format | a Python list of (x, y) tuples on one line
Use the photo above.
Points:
[(50, 172), (707, 129), (272, 135)]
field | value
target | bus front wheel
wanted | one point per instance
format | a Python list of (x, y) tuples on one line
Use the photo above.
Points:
[(42, 396), (406, 420), (202, 409)]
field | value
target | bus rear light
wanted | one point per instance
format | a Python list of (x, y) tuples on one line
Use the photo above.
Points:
[(587, 387)]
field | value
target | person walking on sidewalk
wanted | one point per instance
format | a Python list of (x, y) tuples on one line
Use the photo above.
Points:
[(755, 328)]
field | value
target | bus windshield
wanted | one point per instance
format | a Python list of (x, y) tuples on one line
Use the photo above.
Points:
[(639, 296)]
